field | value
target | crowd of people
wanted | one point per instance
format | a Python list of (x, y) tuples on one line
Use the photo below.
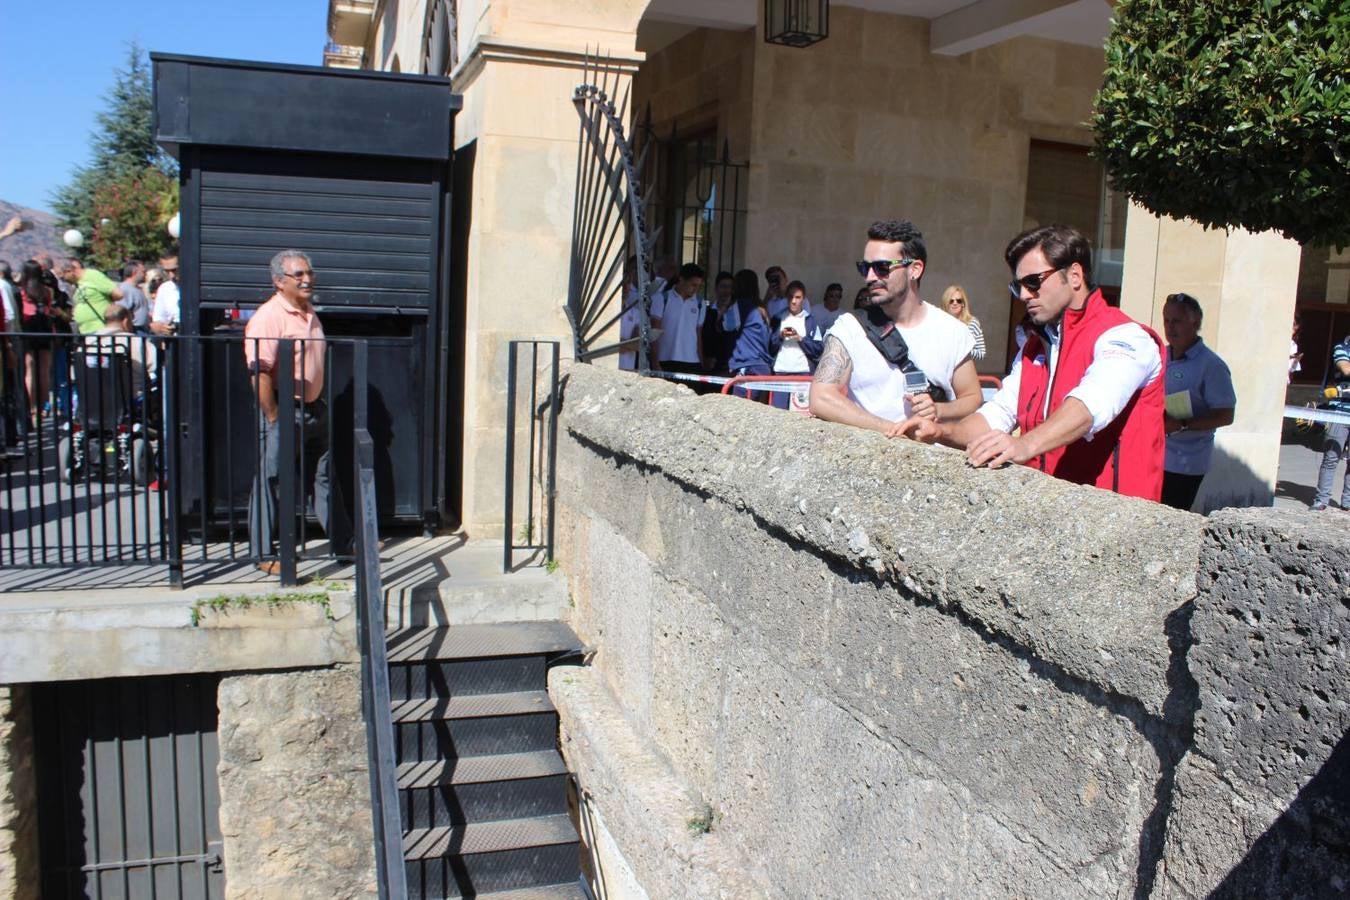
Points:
[(1092, 396), (48, 306)]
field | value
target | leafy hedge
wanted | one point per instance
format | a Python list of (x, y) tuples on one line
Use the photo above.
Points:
[(1231, 113)]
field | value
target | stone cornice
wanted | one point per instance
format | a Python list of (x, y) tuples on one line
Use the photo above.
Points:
[(493, 49)]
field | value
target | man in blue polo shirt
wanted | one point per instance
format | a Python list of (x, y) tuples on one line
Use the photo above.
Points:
[(1200, 398)]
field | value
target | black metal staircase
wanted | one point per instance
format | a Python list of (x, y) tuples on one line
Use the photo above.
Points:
[(482, 788)]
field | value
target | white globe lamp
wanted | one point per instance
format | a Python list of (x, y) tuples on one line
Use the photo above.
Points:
[(173, 227), (74, 240)]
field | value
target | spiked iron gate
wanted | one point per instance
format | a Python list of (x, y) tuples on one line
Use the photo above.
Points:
[(608, 226)]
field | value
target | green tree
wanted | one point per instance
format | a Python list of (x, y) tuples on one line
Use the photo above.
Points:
[(122, 147), (1232, 113), (135, 207)]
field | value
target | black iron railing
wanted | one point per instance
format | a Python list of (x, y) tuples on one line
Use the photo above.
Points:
[(540, 462), (151, 447), (375, 694)]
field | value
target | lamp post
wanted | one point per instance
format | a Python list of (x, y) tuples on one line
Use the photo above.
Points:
[(173, 227), (73, 239), (796, 23)]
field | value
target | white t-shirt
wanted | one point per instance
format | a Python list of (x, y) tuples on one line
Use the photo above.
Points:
[(166, 304), (630, 325), (937, 345), (681, 320), (1124, 359), (11, 313), (790, 359)]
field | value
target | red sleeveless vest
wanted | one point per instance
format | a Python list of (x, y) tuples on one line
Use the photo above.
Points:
[(1127, 455)]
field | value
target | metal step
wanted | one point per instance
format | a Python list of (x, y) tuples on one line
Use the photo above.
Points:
[(444, 805), (420, 679), (482, 641), (488, 837), (439, 739), (491, 874), (571, 891), (473, 706), (477, 769)]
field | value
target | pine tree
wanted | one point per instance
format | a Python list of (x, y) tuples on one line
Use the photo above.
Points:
[(122, 149)]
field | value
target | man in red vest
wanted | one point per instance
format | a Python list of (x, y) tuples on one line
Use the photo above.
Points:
[(1086, 390)]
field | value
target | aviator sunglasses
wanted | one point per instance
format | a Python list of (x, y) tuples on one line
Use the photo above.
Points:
[(1031, 282), (882, 267)]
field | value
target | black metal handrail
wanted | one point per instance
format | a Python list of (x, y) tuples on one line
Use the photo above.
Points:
[(122, 478), (376, 700), (542, 466)]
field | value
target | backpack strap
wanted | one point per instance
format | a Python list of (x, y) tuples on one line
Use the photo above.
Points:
[(888, 341)]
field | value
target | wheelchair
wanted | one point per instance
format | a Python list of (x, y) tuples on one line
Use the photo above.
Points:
[(105, 441)]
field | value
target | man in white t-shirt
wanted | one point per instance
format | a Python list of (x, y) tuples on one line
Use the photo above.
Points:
[(164, 317), (678, 312), (926, 368)]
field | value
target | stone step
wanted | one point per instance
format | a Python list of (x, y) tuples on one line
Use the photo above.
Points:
[(478, 769), (482, 641), (472, 706)]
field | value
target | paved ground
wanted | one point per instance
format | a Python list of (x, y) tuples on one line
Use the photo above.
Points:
[(1297, 479)]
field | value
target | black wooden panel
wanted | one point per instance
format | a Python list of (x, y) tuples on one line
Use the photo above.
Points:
[(233, 103), (324, 275), (307, 201), (237, 238), (309, 222), (334, 259), (405, 181)]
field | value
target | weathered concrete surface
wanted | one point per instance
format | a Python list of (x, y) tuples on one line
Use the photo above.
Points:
[(1081, 578), (85, 635), (18, 797), (869, 648), (294, 787), (1263, 800), (880, 667), (642, 799)]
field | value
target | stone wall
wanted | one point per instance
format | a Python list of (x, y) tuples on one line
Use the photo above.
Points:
[(18, 797), (294, 786), (860, 662)]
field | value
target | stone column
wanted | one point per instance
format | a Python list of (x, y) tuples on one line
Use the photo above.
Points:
[(520, 60), (18, 797), (1246, 284)]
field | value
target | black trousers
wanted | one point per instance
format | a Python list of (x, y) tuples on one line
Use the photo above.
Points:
[(1179, 490)]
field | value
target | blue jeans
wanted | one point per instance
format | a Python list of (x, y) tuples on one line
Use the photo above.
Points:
[(1334, 449)]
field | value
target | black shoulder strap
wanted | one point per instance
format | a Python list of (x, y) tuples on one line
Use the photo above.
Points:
[(891, 345)]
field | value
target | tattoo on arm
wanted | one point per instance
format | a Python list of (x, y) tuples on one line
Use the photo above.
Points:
[(834, 365)]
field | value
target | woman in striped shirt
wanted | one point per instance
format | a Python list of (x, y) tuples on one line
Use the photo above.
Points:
[(955, 302)]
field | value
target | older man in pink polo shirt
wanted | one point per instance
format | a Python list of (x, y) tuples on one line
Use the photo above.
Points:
[(289, 314)]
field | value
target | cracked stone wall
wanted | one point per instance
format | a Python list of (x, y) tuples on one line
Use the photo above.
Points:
[(294, 785), (876, 670), (18, 797)]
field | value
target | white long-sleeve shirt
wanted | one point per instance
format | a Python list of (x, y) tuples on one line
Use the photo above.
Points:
[(1124, 359)]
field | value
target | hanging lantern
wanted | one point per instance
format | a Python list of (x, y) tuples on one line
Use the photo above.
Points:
[(796, 23)]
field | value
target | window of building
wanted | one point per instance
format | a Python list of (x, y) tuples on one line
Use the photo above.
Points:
[(1322, 307)]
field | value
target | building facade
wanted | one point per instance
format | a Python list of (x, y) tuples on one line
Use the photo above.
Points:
[(968, 118)]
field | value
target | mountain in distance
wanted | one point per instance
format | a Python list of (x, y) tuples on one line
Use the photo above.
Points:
[(40, 237)]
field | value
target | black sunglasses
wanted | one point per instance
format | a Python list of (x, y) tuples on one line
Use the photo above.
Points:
[(1031, 282), (882, 267)]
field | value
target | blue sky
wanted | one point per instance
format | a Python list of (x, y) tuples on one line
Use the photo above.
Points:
[(58, 61)]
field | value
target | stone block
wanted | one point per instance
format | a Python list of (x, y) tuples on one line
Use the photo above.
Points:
[(1271, 628), (19, 878), (294, 786)]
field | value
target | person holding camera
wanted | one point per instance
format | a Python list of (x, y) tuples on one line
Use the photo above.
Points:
[(1199, 399), (898, 356), (1086, 392), (1336, 441)]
